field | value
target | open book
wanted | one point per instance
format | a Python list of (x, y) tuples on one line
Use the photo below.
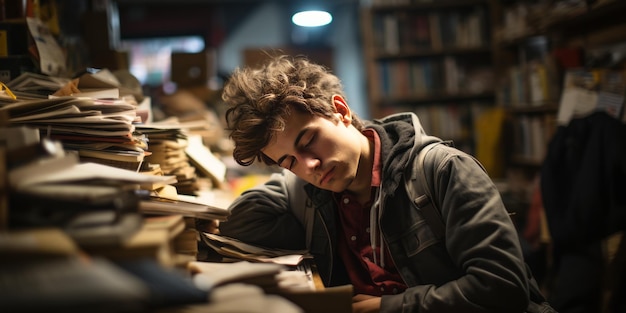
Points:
[(233, 248)]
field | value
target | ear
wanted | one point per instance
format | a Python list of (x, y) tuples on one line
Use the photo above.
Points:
[(342, 109)]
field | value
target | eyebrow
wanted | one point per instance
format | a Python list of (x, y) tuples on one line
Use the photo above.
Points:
[(295, 144)]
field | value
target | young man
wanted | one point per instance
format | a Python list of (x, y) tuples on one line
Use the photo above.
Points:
[(342, 196)]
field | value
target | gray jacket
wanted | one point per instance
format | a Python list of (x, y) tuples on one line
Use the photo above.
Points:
[(476, 267)]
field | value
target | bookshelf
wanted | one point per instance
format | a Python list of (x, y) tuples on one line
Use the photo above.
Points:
[(433, 58), (556, 57), (533, 52)]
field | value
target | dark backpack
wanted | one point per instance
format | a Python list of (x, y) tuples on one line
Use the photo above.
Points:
[(419, 192)]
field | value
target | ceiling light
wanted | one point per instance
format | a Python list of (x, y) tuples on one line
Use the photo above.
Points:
[(312, 18)]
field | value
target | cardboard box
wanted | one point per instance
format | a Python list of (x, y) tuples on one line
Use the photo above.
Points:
[(192, 69), (110, 59)]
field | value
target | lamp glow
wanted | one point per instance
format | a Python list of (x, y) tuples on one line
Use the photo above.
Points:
[(312, 18)]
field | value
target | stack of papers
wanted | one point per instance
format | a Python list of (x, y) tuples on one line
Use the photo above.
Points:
[(78, 116), (188, 206), (99, 130), (36, 86), (236, 249), (68, 170), (167, 148)]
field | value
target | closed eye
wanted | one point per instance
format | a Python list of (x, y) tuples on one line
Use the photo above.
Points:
[(287, 162), (310, 141)]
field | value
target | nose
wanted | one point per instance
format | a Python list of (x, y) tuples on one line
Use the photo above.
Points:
[(310, 162)]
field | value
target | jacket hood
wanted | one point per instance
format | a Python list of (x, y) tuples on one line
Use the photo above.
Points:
[(401, 136)]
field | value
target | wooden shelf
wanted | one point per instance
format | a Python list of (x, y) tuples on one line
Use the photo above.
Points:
[(573, 25), (435, 97), (517, 56), (433, 58), (550, 107)]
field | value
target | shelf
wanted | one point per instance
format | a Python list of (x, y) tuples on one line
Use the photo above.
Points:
[(610, 11), (435, 97), (419, 6), (432, 58), (551, 107), (419, 53), (533, 65), (575, 24)]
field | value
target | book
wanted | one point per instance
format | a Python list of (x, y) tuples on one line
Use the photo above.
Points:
[(67, 169), (72, 284), (93, 214), (209, 275), (240, 298), (146, 243), (72, 115), (184, 240), (116, 84), (297, 285), (113, 154), (167, 287), (174, 224), (187, 208), (205, 161), (187, 242), (236, 249), (36, 242), (30, 81), (103, 227), (98, 93)]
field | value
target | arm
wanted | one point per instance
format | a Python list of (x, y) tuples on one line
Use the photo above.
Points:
[(262, 216), (481, 241), (365, 304)]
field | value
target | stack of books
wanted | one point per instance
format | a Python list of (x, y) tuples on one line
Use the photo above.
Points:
[(167, 143), (98, 130), (44, 270), (29, 85)]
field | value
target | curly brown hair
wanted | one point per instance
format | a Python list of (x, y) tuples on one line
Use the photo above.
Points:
[(259, 101)]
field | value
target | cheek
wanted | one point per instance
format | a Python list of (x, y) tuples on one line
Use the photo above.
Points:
[(329, 149)]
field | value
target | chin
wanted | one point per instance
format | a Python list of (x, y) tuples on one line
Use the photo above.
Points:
[(335, 186)]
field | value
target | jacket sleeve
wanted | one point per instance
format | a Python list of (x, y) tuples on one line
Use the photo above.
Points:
[(262, 216), (480, 239)]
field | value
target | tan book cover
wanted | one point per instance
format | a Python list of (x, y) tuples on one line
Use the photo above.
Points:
[(173, 224), (36, 242), (148, 242)]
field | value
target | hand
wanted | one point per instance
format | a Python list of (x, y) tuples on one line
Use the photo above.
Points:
[(208, 226), (365, 304)]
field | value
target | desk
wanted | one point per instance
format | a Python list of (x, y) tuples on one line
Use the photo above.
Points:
[(320, 299), (311, 299)]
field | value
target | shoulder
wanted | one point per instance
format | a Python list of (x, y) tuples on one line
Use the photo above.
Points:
[(445, 158)]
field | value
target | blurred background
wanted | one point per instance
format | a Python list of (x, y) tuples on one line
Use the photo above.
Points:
[(534, 89)]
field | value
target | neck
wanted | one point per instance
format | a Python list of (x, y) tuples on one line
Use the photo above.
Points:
[(362, 185)]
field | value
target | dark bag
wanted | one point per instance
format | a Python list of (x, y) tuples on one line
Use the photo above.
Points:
[(419, 191)]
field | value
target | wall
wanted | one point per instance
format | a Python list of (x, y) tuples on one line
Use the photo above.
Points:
[(266, 28)]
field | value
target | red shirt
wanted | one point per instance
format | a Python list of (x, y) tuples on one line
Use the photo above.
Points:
[(354, 246)]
